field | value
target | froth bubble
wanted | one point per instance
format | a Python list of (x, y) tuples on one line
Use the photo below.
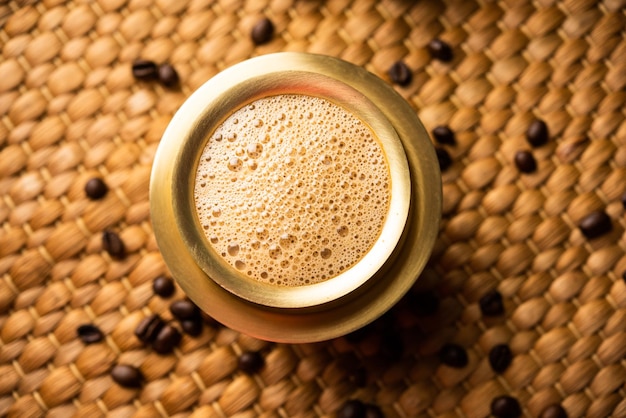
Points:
[(235, 164), (254, 150), (233, 249)]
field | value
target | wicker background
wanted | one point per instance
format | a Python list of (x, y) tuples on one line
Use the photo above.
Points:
[(70, 109)]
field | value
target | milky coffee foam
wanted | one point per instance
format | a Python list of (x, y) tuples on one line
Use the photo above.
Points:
[(292, 190)]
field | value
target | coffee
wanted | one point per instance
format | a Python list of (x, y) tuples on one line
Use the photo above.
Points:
[(292, 189)]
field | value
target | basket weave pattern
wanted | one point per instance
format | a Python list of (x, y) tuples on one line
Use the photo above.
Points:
[(70, 110)]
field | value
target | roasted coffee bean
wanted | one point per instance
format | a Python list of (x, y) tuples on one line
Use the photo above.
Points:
[(149, 328), (166, 340), (400, 74), (127, 376), (353, 408), (500, 358), (163, 286), (505, 407), (525, 161), (373, 411), (445, 161), (250, 362), (440, 50), (192, 327), (424, 303), (168, 76), (553, 411), (595, 224), (537, 133), (113, 244), (491, 303), (444, 135), (89, 333), (96, 188), (145, 70), (453, 355), (262, 32), (184, 309)]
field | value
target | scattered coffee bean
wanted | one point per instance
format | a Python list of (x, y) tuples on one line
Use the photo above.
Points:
[(113, 244), (127, 376), (96, 188), (500, 358), (373, 411), (250, 362), (400, 74), (525, 161), (553, 411), (537, 133), (168, 76), (595, 224), (145, 70), (184, 309), (445, 161), (424, 303), (353, 408), (262, 32), (89, 333), (149, 328), (453, 355), (440, 50), (444, 135), (163, 286), (166, 340), (491, 304), (192, 327), (505, 407)]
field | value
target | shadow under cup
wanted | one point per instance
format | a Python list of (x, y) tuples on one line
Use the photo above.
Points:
[(339, 304)]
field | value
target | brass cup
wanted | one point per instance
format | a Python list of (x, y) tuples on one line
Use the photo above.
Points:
[(340, 304)]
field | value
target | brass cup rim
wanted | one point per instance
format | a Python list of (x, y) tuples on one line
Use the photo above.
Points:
[(305, 322), (234, 89)]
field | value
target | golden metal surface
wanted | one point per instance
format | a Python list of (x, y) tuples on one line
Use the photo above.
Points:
[(336, 306)]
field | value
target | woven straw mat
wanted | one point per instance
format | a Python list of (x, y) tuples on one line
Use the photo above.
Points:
[(71, 110)]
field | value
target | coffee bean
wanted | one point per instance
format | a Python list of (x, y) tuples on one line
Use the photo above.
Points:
[(440, 50), (445, 161), (525, 161), (113, 244), (149, 328), (145, 70), (262, 32), (505, 407), (250, 362), (400, 73), (444, 135), (500, 358), (89, 333), (353, 408), (96, 188), (192, 327), (184, 309), (491, 303), (453, 355), (373, 411), (595, 224), (163, 286), (424, 303), (537, 133), (166, 340), (553, 411), (168, 75), (127, 376)]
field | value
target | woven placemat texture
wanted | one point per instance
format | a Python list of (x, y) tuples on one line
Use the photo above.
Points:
[(71, 110)]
